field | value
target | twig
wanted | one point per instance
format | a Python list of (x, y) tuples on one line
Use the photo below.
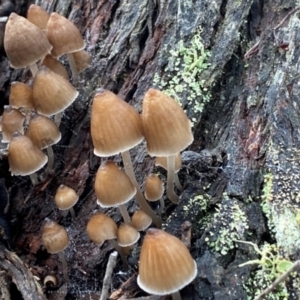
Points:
[(252, 50), (280, 279), (284, 19), (107, 278)]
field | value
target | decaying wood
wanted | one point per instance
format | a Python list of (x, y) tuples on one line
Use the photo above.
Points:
[(21, 275), (248, 131)]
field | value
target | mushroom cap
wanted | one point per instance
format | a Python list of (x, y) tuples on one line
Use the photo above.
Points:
[(12, 120), (166, 265), (140, 220), (166, 127), (54, 237), (63, 35), (115, 125), (82, 60), (21, 95), (162, 162), (55, 65), (24, 156), (154, 188), (37, 16), (51, 92), (127, 235), (100, 228), (42, 131), (65, 197), (112, 186), (24, 43)]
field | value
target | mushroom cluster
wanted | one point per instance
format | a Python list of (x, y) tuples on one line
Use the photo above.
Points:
[(35, 111), (31, 123)]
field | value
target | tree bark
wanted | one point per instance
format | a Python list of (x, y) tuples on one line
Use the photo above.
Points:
[(233, 65)]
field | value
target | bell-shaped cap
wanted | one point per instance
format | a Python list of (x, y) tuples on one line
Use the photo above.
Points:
[(63, 35), (154, 188), (65, 197), (82, 60), (55, 65), (115, 125), (100, 228), (112, 186), (166, 127), (51, 92), (24, 43), (166, 265), (24, 156), (162, 162), (37, 16), (54, 237), (140, 220), (21, 95), (42, 131), (12, 121), (127, 235)]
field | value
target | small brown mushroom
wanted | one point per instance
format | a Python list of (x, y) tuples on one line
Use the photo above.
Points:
[(166, 265), (55, 239), (37, 16), (101, 228), (65, 198), (140, 220), (24, 43)]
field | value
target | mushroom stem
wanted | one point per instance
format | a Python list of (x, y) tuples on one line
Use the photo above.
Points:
[(33, 178), (34, 69), (73, 67), (57, 119), (176, 296), (170, 180), (124, 213), (139, 196), (121, 253), (64, 265), (162, 205), (177, 183), (72, 212), (50, 159)]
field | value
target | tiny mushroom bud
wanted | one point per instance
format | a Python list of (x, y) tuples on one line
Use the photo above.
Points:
[(167, 131), (166, 266), (55, 239), (44, 133), (21, 96), (140, 220), (82, 60), (52, 93), (114, 188), (154, 190), (116, 127), (55, 65), (101, 228), (24, 157), (65, 198), (24, 43), (127, 235), (38, 16), (65, 38), (12, 121)]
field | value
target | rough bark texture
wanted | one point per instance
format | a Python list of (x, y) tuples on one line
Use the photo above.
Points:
[(240, 176)]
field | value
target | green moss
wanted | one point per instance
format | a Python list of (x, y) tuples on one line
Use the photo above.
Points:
[(182, 75), (230, 224)]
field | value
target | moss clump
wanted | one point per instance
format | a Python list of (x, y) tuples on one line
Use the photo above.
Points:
[(181, 79), (230, 224)]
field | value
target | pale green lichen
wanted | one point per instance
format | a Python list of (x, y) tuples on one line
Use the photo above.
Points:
[(230, 223), (182, 75)]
